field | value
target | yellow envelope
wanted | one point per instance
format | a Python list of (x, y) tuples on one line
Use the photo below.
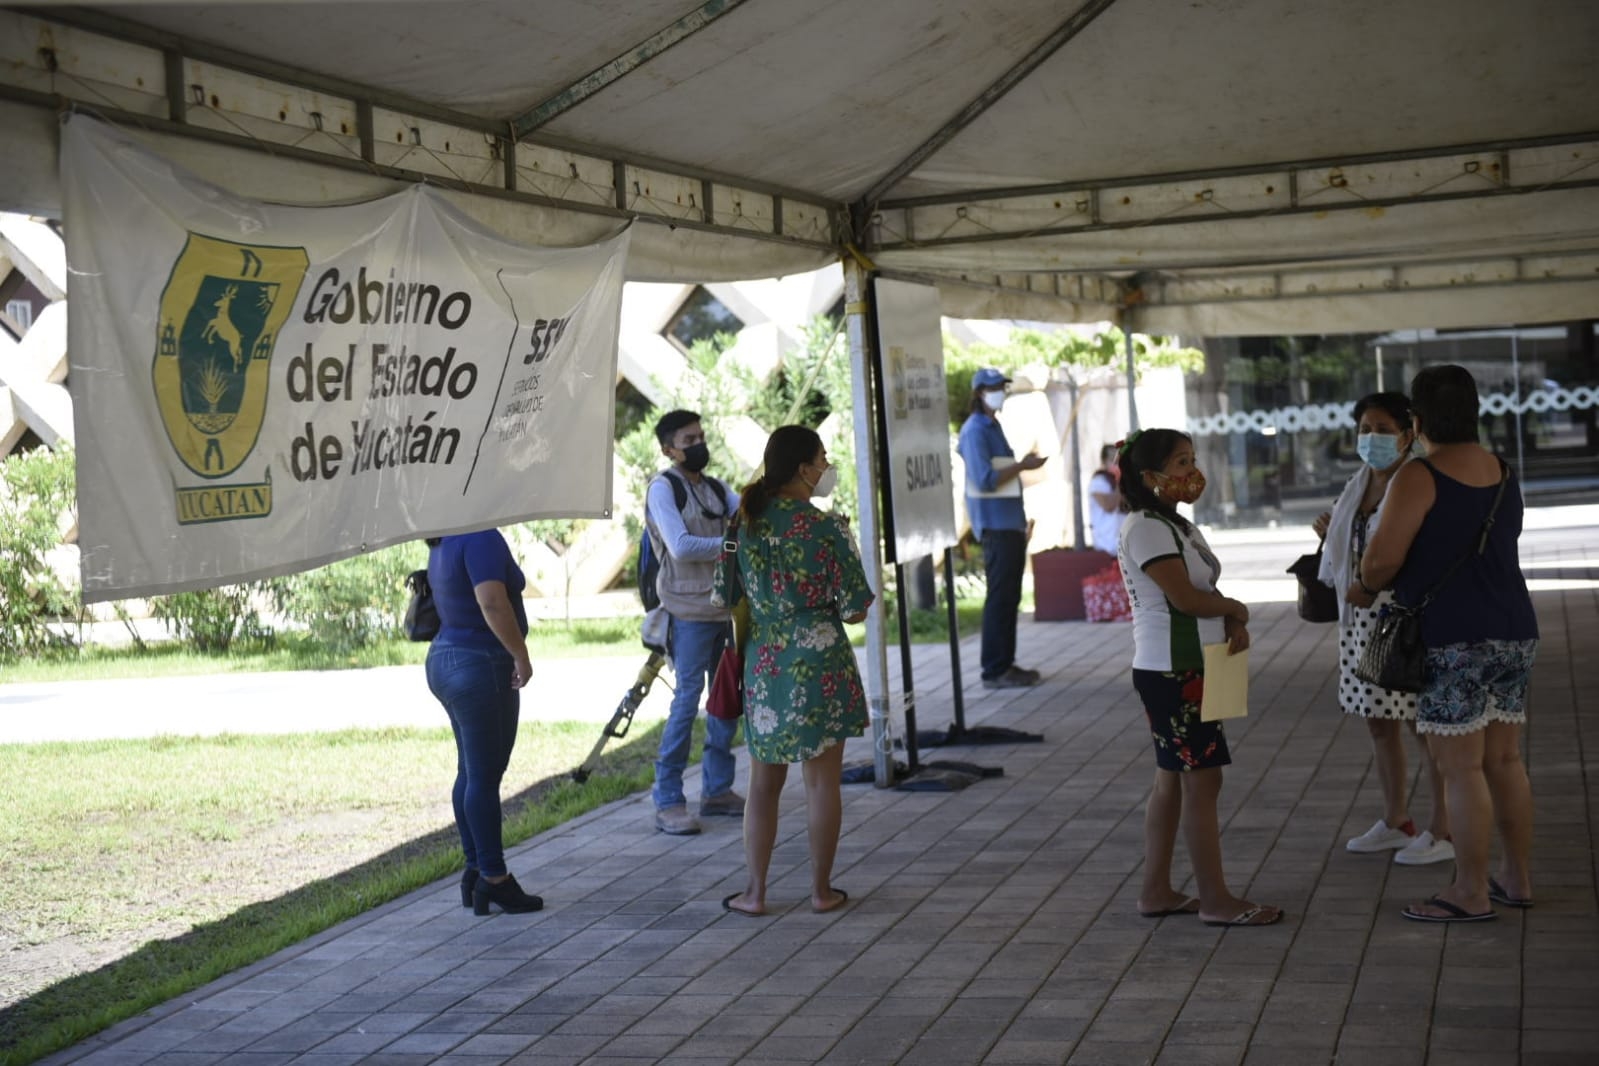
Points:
[(1226, 684)]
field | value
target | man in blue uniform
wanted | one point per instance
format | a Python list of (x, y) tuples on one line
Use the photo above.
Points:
[(994, 504)]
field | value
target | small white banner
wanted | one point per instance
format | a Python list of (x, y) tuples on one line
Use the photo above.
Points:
[(260, 389), (911, 350)]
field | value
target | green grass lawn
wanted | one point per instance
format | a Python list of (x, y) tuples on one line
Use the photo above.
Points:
[(294, 651), (138, 870)]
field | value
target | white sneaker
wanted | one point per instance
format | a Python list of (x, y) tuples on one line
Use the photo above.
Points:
[(1380, 838), (1424, 849)]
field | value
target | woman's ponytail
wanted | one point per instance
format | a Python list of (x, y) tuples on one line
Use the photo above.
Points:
[(754, 498)]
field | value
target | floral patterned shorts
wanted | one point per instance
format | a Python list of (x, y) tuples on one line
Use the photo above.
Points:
[(1469, 685), (1171, 703)]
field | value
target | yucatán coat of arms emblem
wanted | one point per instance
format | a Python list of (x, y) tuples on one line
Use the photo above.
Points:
[(221, 311)]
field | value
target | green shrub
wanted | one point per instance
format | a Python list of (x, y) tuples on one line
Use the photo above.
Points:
[(354, 603), (36, 490), (212, 620)]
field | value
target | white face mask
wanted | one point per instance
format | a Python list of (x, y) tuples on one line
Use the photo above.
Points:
[(994, 398), (826, 483)]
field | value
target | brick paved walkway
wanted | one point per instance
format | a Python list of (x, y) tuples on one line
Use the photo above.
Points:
[(994, 924)]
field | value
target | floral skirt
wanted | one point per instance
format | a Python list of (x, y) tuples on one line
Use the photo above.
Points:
[(1467, 686), (1183, 741)]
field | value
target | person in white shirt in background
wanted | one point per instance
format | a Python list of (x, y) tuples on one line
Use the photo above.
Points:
[(1105, 514)]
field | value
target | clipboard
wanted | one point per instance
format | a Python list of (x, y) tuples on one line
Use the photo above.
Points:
[(1226, 684), (1011, 490)]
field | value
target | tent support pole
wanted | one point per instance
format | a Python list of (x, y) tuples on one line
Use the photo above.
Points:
[(857, 297), (890, 537), (1515, 373), (954, 640), (1132, 379), (913, 760)]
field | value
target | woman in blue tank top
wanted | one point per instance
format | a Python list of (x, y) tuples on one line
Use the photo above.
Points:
[(1480, 634)]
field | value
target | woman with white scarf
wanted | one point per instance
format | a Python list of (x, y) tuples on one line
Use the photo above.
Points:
[(1384, 441)]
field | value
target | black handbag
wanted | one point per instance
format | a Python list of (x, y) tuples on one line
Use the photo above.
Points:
[(421, 621), (1317, 602), (1395, 657)]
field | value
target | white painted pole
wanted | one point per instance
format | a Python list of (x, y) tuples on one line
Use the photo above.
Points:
[(856, 294), (1132, 377)]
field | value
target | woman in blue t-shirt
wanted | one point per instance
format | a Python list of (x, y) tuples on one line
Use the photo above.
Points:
[(476, 667), (1170, 576), (1441, 536)]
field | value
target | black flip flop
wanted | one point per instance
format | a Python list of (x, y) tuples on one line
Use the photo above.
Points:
[(727, 905), (1497, 893), (1455, 914)]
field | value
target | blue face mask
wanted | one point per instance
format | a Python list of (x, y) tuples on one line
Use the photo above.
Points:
[(1379, 450)]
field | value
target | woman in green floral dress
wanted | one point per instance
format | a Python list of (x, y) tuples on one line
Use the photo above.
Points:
[(800, 570)]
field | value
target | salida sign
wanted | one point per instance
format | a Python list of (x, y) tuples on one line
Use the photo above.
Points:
[(911, 348)]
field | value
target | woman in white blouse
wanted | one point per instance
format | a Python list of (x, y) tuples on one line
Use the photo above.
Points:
[(1385, 436)]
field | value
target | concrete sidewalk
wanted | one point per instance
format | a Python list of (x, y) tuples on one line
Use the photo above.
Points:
[(299, 701), (995, 924)]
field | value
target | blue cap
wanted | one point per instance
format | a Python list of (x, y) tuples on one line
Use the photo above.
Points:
[(989, 378)]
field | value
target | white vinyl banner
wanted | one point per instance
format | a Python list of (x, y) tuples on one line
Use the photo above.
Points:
[(260, 389), (911, 353)]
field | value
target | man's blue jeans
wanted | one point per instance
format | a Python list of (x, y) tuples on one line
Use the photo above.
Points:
[(475, 687), (696, 647), (1004, 560)]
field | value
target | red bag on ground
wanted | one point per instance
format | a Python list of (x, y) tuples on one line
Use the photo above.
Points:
[(1105, 596), (727, 686)]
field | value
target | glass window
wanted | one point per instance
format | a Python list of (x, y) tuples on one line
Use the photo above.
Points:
[(835, 314), (20, 312), (700, 318), (1269, 424)]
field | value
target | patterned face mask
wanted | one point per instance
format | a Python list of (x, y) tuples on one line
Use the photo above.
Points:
[(1183, 488)]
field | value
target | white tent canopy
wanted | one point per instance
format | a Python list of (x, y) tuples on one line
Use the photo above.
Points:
[(1204, 166), (1215, 166)]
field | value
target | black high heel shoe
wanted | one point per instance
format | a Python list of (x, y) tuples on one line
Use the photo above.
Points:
[(469, 881), (506, 895)]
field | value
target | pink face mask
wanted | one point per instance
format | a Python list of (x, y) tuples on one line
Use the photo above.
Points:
[(1183, 488)]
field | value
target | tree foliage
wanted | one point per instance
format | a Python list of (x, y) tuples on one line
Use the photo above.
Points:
[(36, 501), (353, 603), (1076, 351), (812, 383), (213, 620)]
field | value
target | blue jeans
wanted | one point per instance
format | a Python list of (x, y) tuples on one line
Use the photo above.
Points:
[(1004, 560), (475, 687), (696, 646)]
